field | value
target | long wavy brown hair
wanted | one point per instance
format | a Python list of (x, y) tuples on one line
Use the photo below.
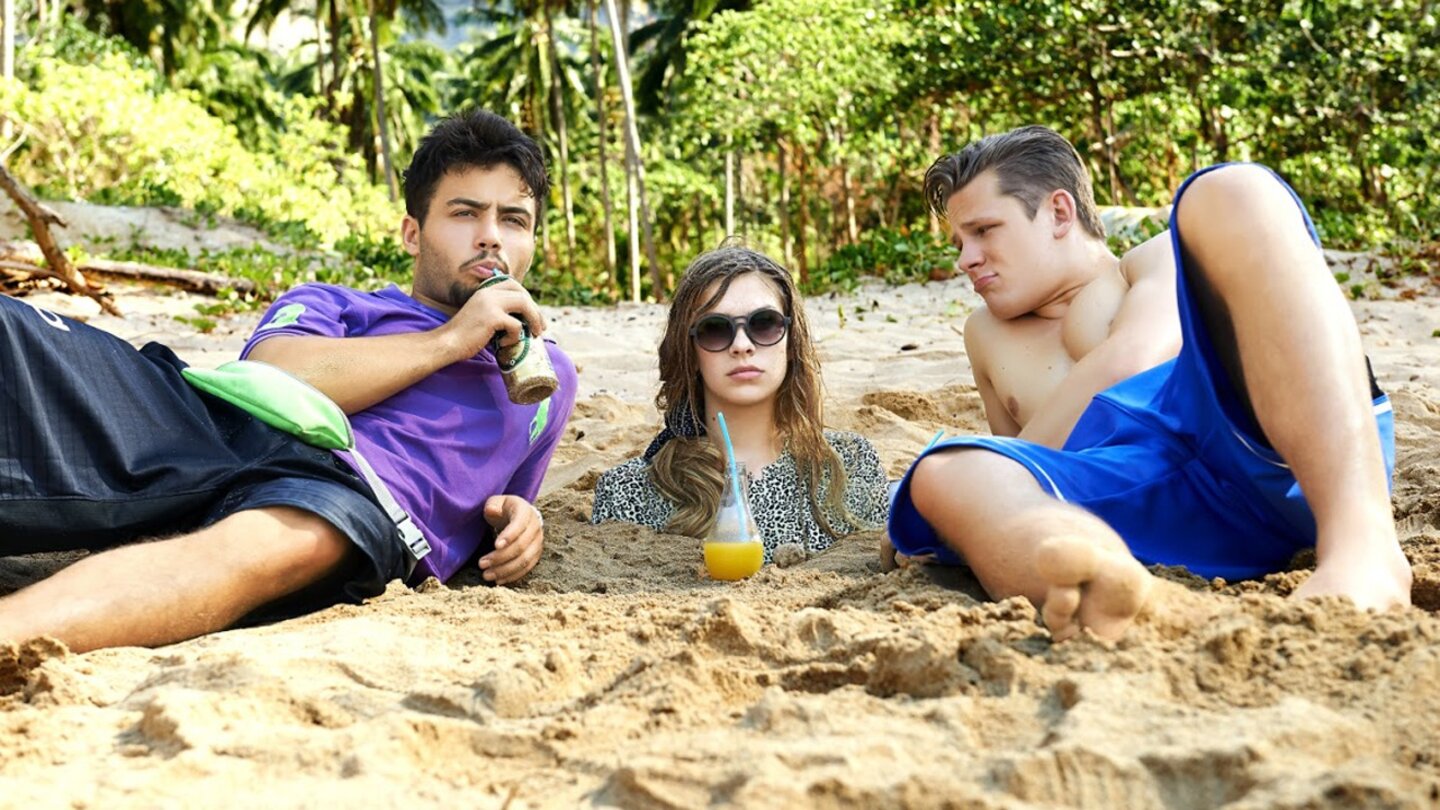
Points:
[(689, 472)]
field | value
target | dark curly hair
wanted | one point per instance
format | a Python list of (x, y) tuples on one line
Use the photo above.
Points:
[(473, 138)]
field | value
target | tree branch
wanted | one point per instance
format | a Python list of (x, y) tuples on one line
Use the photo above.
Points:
[(41, 218)]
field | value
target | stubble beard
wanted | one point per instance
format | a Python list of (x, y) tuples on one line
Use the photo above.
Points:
[(459, 290)]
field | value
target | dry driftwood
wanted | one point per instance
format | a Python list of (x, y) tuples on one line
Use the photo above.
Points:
[(24, 255), (58, 265)]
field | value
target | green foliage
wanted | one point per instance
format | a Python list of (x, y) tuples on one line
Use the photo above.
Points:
[(172, 32), (274, 272), (1338, 96), (105, 132), (382, 256), (1121, 240), (891, 255), (857, 96), (790, 67)]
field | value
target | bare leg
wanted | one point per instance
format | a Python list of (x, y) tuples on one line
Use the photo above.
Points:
[(165, 591), (1283, 327), (1021, 542)]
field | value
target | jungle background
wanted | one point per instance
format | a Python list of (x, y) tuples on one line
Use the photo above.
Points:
[(803, 125)]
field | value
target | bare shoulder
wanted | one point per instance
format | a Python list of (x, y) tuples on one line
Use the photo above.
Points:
[(983, 325), (982, 329), (1152, 259)]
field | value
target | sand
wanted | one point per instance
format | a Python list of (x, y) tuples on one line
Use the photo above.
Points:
[(617, 675)]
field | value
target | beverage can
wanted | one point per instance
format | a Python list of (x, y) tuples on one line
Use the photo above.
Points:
[(525, 366)]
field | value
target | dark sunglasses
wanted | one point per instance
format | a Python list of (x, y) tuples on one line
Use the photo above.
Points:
[(715, 332)]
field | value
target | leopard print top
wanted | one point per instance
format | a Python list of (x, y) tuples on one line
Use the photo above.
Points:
[(778, 497)]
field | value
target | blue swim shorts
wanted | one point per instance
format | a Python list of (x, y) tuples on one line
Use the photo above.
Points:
[(1170, 459)]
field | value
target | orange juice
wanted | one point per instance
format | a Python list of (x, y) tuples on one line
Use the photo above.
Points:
[(731, 561)]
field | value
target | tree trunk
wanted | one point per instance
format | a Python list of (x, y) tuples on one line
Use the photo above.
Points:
[(7, 38), (933, 124), (785, 249), (27, 257), (7, 52), (624, 20), (852, 231), (729, 187), (557, 117), (740, 192), (319, 53), (803, 206), (337, 58), (382, 127), (632, 202), (702, 227), (821, 164), (599, 71), (632, 157), (537, 103), (852, 227)]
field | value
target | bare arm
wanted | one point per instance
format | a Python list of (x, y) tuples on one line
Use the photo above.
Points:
[(1144, 334), (358, 372), (977, 337)]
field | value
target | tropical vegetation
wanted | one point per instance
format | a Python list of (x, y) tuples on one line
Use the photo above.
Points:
[(803, 126)]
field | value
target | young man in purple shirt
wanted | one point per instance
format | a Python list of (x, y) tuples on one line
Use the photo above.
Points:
[(101, 444)]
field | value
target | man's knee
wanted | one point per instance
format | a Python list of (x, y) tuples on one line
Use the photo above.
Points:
[(956, 477), (1233, 201), (1238, 220), (292, 547)]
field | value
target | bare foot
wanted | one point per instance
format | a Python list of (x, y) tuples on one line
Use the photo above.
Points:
[(1090, 587), (1367, 567)]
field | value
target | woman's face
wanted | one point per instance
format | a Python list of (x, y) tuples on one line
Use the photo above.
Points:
[(744, 373)]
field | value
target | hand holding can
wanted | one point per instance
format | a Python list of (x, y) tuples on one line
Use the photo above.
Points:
[(524, 366)]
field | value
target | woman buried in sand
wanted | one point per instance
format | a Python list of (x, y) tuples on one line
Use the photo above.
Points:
[(737, 343)]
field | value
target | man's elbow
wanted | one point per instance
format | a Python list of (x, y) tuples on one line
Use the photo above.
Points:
[(270, 350), (1125, 359)]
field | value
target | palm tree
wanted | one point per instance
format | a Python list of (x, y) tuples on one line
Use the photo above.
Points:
[(171, 32), (378, 85), (663, 45), (598, 71), (237, 84), (357, 40), (521, 69)]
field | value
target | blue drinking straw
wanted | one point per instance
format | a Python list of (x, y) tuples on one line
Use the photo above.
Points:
[(933, 440), (730, 458)]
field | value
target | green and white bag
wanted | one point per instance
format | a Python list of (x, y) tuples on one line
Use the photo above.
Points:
[(288, 403)]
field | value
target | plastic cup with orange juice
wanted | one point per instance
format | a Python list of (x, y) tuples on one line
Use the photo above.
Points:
[(733, 549)]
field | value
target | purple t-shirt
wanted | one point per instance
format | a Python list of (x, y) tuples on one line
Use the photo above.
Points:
[(447, 443)]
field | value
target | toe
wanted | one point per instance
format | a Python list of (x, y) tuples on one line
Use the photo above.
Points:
[(1059, 611), (1066, 561)]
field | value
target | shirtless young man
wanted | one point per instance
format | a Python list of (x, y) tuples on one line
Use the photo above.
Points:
[(1110, 450)]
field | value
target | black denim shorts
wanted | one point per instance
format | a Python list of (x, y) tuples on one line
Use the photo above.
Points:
[(102, 445)]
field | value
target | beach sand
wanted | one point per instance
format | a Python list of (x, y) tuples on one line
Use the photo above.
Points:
[(617, 675)]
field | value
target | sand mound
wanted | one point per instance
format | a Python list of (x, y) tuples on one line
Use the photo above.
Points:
[(617, 674)]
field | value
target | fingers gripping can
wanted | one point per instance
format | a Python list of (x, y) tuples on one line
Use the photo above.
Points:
[(525, 366)]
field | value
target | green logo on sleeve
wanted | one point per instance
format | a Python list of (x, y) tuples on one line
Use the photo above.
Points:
[(542, 417), (285, 316)]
